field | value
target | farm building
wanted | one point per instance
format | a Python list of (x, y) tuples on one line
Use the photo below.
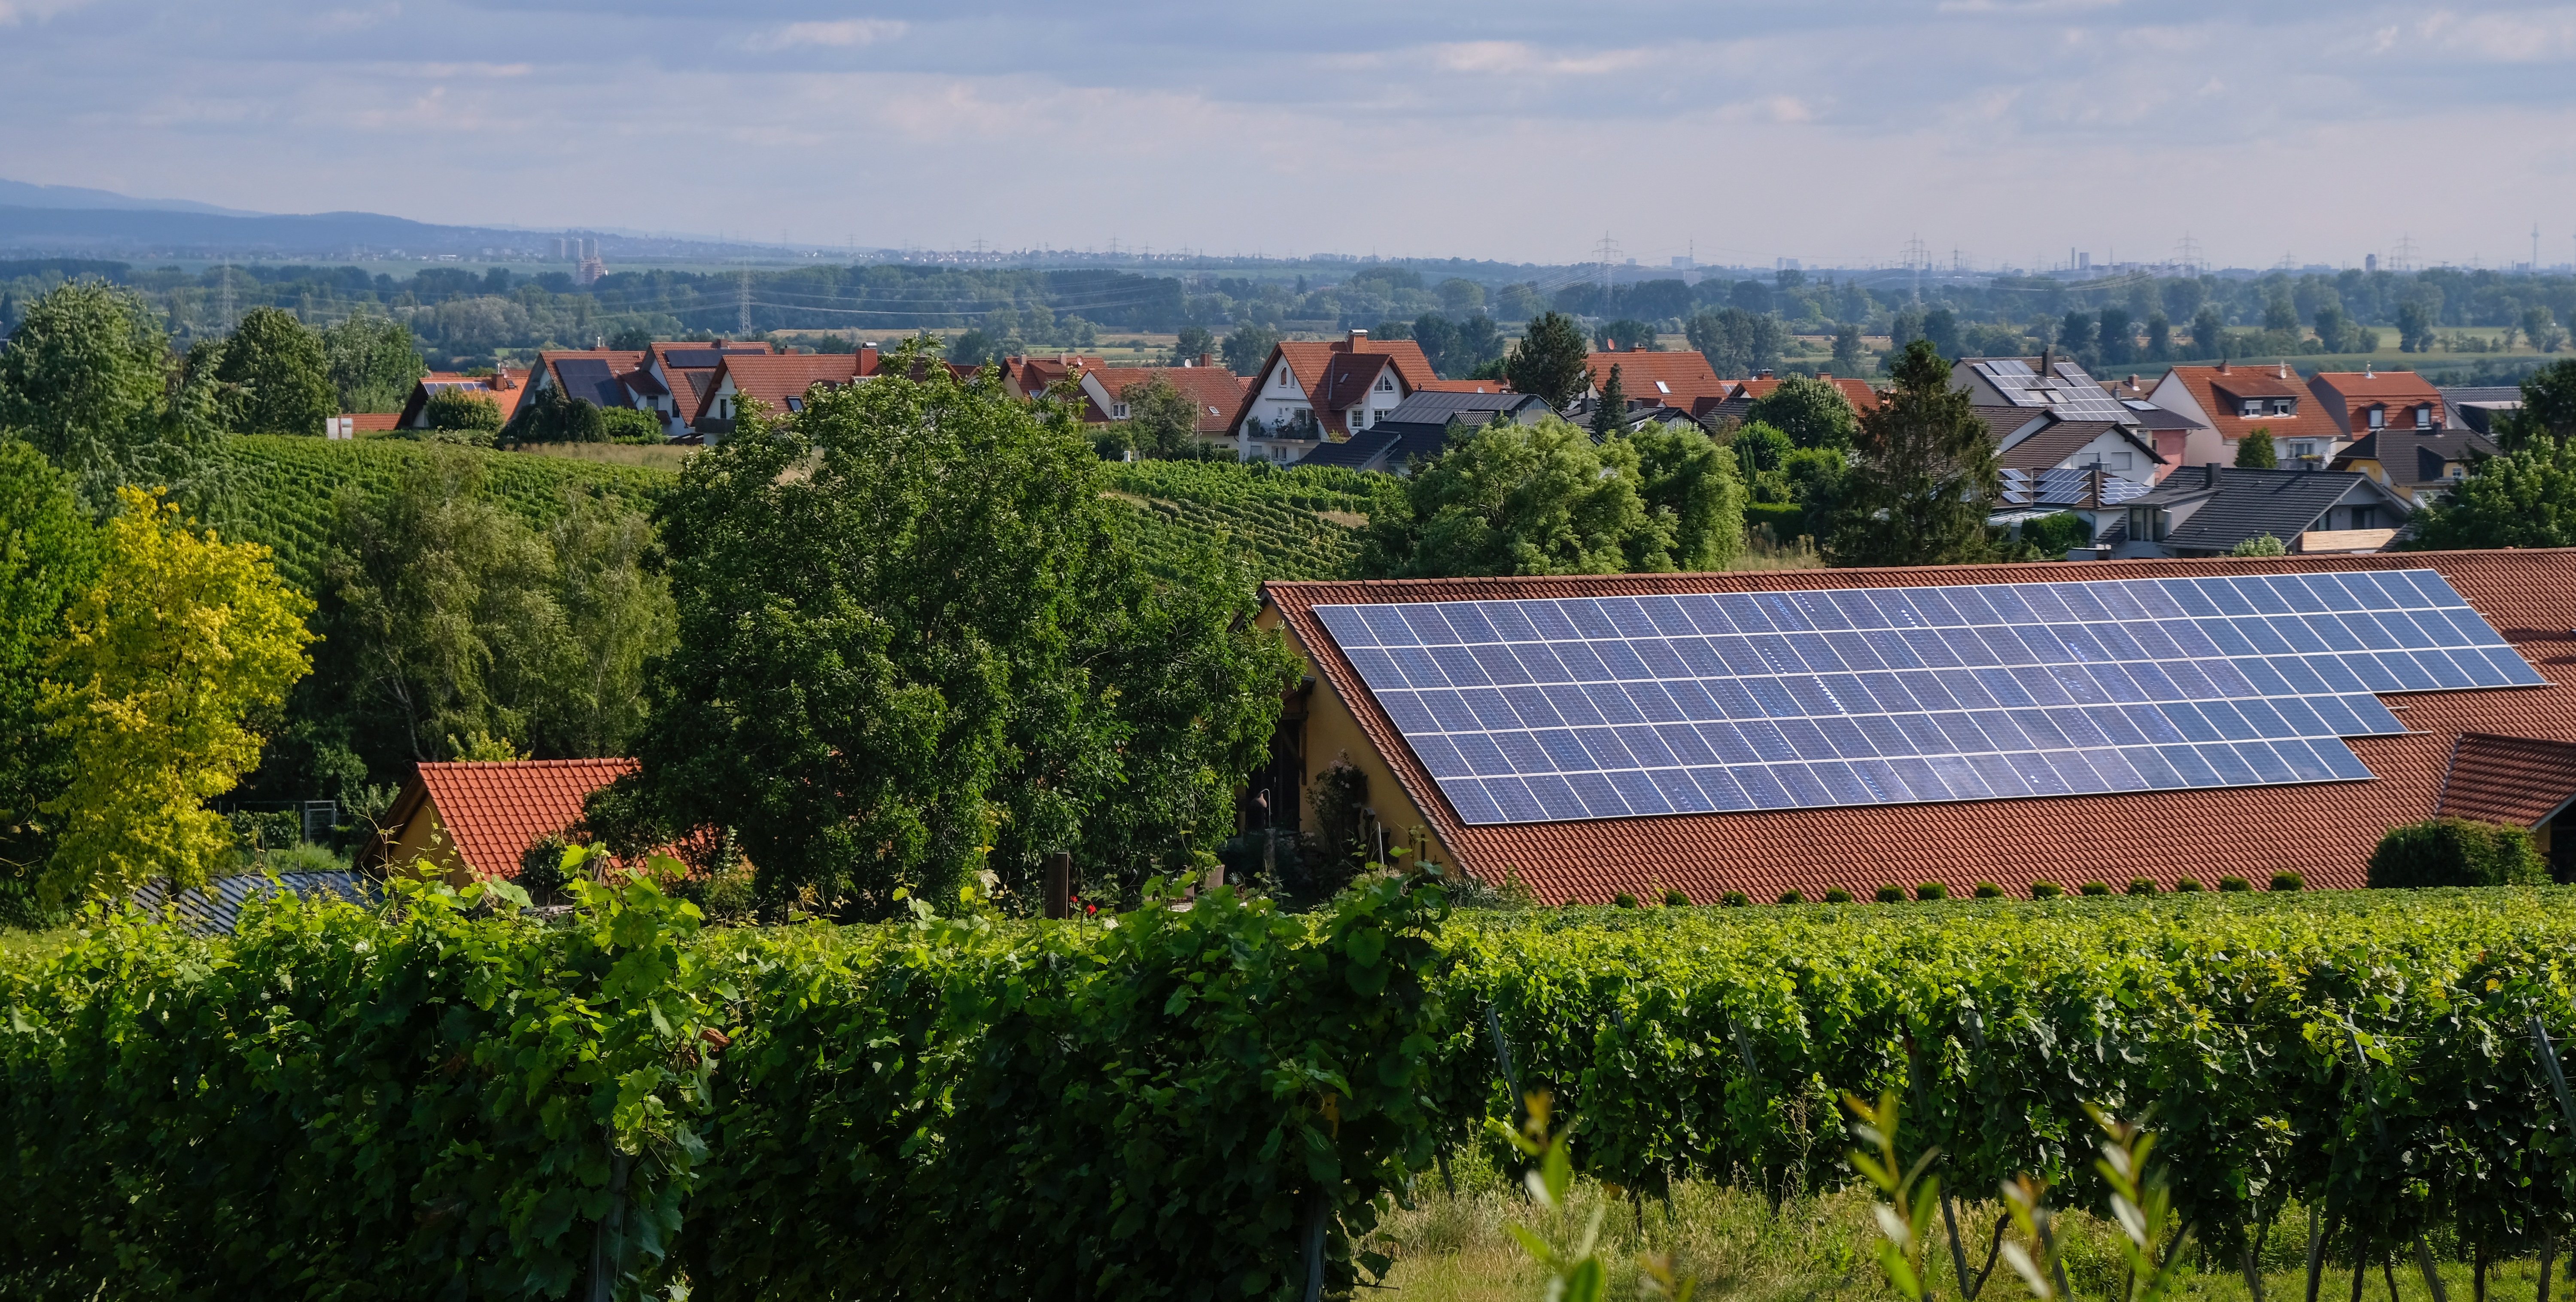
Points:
[(475, 820), (1819, 729)]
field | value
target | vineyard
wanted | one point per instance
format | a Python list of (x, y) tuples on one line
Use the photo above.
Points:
[(1298, 523), (281, 488)]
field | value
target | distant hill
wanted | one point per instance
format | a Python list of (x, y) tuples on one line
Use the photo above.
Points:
[(336, 234), (20, 194)]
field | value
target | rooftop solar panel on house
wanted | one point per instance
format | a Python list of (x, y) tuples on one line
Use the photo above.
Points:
[(1551, 710), (589, 377), (692, 359)]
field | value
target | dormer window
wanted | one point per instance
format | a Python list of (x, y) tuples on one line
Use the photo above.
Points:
[(1118, 411), (795, 405), (2284, 406), (2379, 418), (2424, 418), (2249, 407)]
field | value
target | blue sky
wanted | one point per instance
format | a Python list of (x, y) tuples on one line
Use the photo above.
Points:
[(2008, 131)]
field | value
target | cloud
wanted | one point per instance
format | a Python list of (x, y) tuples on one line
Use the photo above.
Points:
[(1521, 58), (845, 34), (14, 12)]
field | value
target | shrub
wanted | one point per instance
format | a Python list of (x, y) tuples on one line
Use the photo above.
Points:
[(1931, 891), (1989, 891), (1792, 897), (1738, 899), (1838, 895), (2094, 888), (2456, 852), (1674, 898), (1624, 900), (2289, 882), (627, 425), (1891, 893), (2187, 885), (2142, 886), (2234, 884), (2046, 890)]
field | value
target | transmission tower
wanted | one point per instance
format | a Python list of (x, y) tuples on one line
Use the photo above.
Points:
[(2188, 254), (1608, 252), (2405, 259), (744, 300), (1918, 255)]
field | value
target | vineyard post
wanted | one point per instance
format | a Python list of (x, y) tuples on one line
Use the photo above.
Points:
[(2567, 1108), (607, 1247), (1059, 885), (1503, 1055), (1315, 1245), (1949, 1215), (2379, 1127)]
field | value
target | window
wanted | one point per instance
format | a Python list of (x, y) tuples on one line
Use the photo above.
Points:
[(2379, 418), (1661, 387), (1386, 384), (2424, 417), (2120, 461), (2303, 448), (1359, 418), (2284, 406), (2249, 407), (795, 405), (2363, 517), (1118, 411)]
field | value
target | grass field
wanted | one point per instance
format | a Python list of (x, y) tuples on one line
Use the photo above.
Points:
[(646, 456), (1815, 1248)]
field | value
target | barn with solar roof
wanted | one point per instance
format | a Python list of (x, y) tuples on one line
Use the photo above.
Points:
[(1817, 729)]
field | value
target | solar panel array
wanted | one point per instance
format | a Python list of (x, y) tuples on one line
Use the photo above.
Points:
[(2070, 393), (1608, 707), (589, 377), (692, 359), (2065, 488)]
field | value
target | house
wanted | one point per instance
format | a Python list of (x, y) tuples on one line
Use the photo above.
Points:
[(475, 821), (2208, 510), (598, 376), (2476, 407), (2228, 402), (1658, 379), (2089, 467), (504, 387), (1810, 730), (2046, 383), (1214, 392), (360, 424), (684, 372), (1029, 378), (2423, 465), (1308, 393), (2362, 403), (2525, 782), (1418, 428), (778, 382)]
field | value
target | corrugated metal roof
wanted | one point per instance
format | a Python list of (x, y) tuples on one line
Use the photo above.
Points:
[(216, 907)]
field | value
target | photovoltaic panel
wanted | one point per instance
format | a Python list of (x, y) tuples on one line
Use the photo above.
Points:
[(1549, 710)]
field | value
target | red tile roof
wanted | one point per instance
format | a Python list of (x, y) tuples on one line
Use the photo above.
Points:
[(2515, 780), (2346, 395), (1856, 392), (1333, 373), (495, 811), (772, 380), (2217, 392), (1460, 386), (2325, 831), (505, 387), (1213, 390), (1686, 377), (376, 422)]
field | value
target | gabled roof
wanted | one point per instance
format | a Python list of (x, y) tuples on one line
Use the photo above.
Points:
[(2250, 503), (2363, 387), (591, 373), (2216, 391), (1335, 373), (2413, 456), (494, 811), (1665, 379), (2517, 781), (2323, 831), (505, 387), (2005, 422), (1214, 391), (2060, 439), (775, 379), (1439, 407)]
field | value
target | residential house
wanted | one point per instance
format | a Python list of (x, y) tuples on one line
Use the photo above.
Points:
[(1028, 378), (2477, 407), (1418, 428), (2089, 467), (1681, 379), (1797, 730), (1309, 393), (2208, 510), (504, 388), (2228, 402), (2424, 465), (2525, 782), (475, 821), (778, 382), (684, 372), (1214, 392), (2362, 403)]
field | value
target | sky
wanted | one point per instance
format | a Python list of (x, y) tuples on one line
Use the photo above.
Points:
[(1996, 132)]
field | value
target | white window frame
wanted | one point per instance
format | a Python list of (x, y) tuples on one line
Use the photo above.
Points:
[(2424, 417), (2379, 418)]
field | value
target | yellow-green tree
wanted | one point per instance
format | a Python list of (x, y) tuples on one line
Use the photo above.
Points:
[(184, 641)]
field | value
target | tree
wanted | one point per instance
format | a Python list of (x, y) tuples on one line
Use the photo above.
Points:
[(2255, 452), (1625, 333), (1848, 359), (1691, 488), (1922, 475), (1737, 342), (929, 651), (2523, 498), (49, 553), (86, 379), (1551, 360), (2548, 407), (182, 644), (1248, 347), (2456, 852), (2261, 544), (615, 614), (2280, 315), (1521, 499), (1193, 343), (373, 363), (2414, 327), (2209, 333), (1610, 414), (277, 375), (1162, 421), (1438, 340), (2541, 328), (1812, 412), (458, 410), (2119, 340), (631, 425), (2159, 338)]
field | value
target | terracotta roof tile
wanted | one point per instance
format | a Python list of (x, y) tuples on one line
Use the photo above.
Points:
[(1665, 379), (1314, 363), (2325, 831), (495, 811), (2217, 392), (2515, 780)]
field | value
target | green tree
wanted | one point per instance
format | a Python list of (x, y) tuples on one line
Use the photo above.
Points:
[(276, 370), (631, 338), (1737, 342), (49, 553), (1162, 421), (1760, 448), (1248, 347), (453, 409), (2209, 333), (2261, 544), (2548, 408), (631, 425), (1691, 489), (2541, 328), (1522, 499), (86, 379), (1610, 414), (1848, 358), (2522, 498), (1621, 335), (1551, 360), (1193, 342), (2255, 450), (1923, 474), (2159, 338), (615, 612), (2456, 852), (1812, 412), (182, 644), (929, 651), (373, 363), (2415, 323), (2280, 316)]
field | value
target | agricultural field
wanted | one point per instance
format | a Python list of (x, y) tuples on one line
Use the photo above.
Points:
[(282, 488), (1288, 524)]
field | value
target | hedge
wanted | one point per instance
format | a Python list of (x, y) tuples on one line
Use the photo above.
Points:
[(2457, 852), (444, 1104)]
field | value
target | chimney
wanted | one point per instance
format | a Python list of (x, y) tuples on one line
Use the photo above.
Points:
[(867, 360), (2285, 371), (1766, 372), (1358, 337), (2209, 475), (2222, 366), (1207, 360), (2047, 362), (1636, 348)]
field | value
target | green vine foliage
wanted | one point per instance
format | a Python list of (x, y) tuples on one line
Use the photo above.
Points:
[(2365, 1051), (447, 1101)]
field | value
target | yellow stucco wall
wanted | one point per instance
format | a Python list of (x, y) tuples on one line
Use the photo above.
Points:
[(425, 837), (1331, 733)]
